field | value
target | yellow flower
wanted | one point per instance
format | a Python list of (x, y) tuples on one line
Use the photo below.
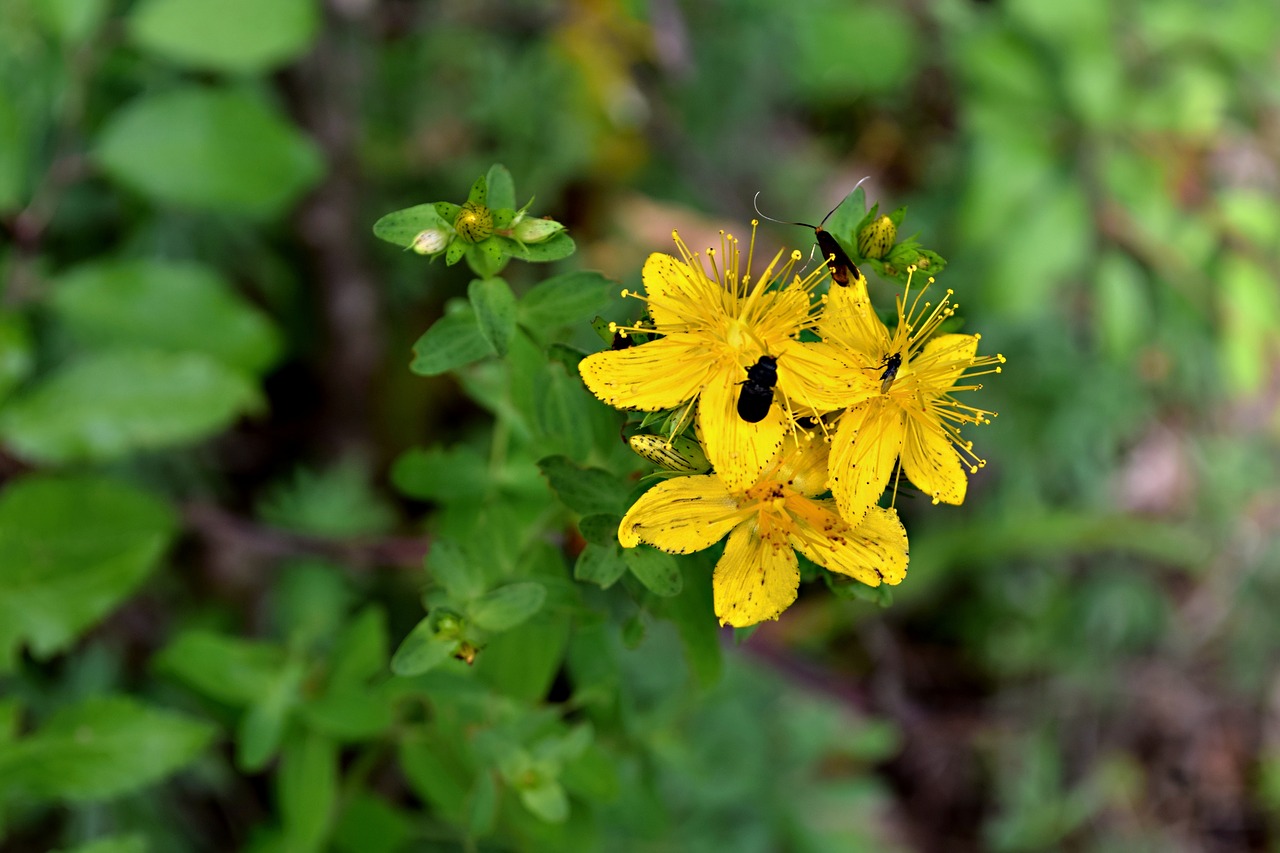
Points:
[(905, 405), (767, 522), (711, 327)]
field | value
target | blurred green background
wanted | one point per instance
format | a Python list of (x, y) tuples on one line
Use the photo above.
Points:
[(205, 562)]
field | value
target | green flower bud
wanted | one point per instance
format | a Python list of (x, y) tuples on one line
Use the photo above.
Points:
[(529, 230), (431, 241), (474, 222), (877, 237), (448, 625)]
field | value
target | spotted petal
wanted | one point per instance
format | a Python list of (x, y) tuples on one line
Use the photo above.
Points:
[(661, 374), (681, 515), (944, 358), (818, 377), (678, 295), (849, 320), (873, 552), (863, 453), (755, 579), (930, 461)]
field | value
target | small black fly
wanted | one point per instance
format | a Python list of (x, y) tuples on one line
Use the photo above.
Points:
[(757, 391), (890, 364)]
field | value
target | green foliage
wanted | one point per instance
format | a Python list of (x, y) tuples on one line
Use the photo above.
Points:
[(238, 36)]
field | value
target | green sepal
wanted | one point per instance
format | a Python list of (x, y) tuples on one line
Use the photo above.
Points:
[(479, 192), (447, 210), (502, 217), (455, 252), (488, 257), (502, 188)]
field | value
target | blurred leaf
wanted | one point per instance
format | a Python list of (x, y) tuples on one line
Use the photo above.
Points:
[(693, 612), (523, 662), (16, 353), (547, 800), (71, 549), (262, 728), (1123, 312), (452, 341), (583, 490), (593, 775), (229, 669), (14, 155), (168, 305), (495, 308), (657, 570), (361, 650), (600, 564), (114, 844), (507, 606), (565, 300), (108, 405), (339, 502), (103, 747), (502, 189), (240, 36), (209, 148), (452, 568), (369, 825), (351, 714), (857, 49), (422, 650), (308, 790), (311, 600), (1251, 317), (458, 473)]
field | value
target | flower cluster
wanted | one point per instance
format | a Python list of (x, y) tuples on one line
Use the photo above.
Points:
[(799, 390)]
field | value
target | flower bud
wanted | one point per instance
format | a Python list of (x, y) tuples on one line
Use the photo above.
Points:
[(877, 237), (474, 222), (680, 454), (529, 230), (430, 241)]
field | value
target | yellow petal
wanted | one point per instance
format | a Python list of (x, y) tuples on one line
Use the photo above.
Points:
[(754, 580), (930, 462), (819, 377), (777, 316), (679, 295), (740, 452), (803, 465), (681, 515), (945, 358), (873, 552), (661, 374), (849, 320), (863, 453)]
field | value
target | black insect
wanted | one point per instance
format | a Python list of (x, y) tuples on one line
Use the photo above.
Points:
[(842, 269), (757, 391), (891, 364), (621, 341)]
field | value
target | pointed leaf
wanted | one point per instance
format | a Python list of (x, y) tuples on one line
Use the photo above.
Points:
[(454, 340)]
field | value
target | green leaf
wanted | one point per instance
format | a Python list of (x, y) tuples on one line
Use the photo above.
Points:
[(402, 226), (565, 411), (361, 652), (422, 650), (16, 352), (693, 612), (583, 490), (104, 747), (551, 249), (600, 564), (110, 404), (71, 549), (508, 606), (171, 306), (262, 729), (657, 570), (502, 189), (451, 567), (240, 36), (229, 669), (547, 800), (308, 789), (452, 341), (495, 307), (523, 662), (447, 211), (565, 300), (600, 529), (352, 714), (207, 148)]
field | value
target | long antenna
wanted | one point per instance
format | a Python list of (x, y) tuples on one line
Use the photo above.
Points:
[(779, 221), (817, 227)]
